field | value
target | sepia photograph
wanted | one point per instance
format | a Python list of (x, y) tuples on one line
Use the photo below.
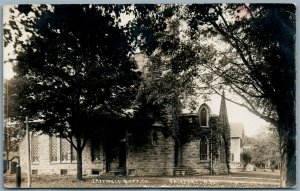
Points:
[(149, 96)]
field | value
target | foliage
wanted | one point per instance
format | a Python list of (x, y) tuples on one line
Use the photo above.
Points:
[(166, 78), (265, 149), (246, 158), (13, 131), (75, 69)]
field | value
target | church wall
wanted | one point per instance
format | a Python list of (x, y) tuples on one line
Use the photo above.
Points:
[(191, 158), (151, 159)]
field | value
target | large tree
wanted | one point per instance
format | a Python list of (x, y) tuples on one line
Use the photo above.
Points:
[(246, 49), (256, 62), (74, 70)]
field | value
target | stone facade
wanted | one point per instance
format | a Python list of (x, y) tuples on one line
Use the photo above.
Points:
[(190, 158), (150, 159), (155, 158), (145, 151)]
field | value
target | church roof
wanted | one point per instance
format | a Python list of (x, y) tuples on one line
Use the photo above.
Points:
[(237, 130)]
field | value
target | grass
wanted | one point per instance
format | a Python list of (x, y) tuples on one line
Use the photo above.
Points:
[(232, 180)]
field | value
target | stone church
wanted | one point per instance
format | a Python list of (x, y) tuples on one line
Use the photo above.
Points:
[(201, 147)]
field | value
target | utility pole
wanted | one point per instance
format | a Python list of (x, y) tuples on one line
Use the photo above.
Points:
[(211, 149), (28, 154)]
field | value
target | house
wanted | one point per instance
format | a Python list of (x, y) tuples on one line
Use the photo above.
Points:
[(147, 149), (246, 148), (237, 142)]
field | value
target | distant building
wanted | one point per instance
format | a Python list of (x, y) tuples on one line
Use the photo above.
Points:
[(237, 142), (246, 148)]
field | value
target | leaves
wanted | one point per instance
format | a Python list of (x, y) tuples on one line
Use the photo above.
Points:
[(76, 66)]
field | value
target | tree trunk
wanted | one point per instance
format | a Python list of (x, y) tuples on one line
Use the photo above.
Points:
[(288, 163), (79, 164), (291, 162), (227, 153), (287, 134)]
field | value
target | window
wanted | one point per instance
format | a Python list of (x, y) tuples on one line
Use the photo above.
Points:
[(95, 149), (73, 154), (34, 172), (63, 172), (203, 117), (73, 151), (35, 147), (203, 149), (154, 138), (53, 149), (64, 149), (232, 157), (61, 150)]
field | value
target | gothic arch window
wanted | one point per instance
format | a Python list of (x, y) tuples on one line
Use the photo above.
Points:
[(203, 149), (35, 147), (204, 113), (203, 117)]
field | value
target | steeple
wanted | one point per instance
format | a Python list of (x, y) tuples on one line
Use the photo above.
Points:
[(223, 112)]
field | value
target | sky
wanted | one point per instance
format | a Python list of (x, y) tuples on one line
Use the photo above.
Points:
[(253, 125)]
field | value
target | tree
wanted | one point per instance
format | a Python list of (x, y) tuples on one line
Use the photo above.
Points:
[(74, 71), (246, 158), (13, 132), (258, 65), (265, 149)]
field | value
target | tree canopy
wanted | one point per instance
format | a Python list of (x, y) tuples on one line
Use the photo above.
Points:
[(258, 65), (74, 70)]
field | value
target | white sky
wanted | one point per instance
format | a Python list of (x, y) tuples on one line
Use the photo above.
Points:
[(253, 125)]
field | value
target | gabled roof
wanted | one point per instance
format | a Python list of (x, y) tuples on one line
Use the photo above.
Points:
[(237, 130)]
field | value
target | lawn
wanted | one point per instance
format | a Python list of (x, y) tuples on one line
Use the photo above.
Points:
[(232, 180)]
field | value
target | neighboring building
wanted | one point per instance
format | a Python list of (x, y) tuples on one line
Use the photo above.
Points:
[(148, 149), (237, 141), (246, 148)]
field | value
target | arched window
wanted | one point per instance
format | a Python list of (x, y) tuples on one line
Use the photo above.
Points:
[(35, 147), (203, 149), (203, 117)]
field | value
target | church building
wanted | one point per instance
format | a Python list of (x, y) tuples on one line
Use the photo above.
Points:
[(201, 146)]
